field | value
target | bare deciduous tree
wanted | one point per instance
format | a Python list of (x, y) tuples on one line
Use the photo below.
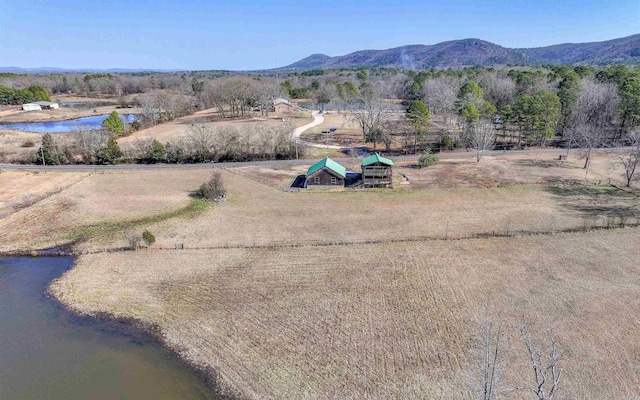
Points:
[(498, 89), (487, 377), (371, 112), (440, 94), (588, 137), (546, 372), (597, 104), (201, 142), (481, 137), (87, 141), (132, 238), (630, 160)]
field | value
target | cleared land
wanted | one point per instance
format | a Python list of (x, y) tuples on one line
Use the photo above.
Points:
[(462, 199), (397, 320), (97, 209), (17, 146), (357, 294), (24, 189), (178, 129)]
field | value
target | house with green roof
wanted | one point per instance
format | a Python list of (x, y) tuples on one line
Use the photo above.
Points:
[(377, 171), (326, 173)]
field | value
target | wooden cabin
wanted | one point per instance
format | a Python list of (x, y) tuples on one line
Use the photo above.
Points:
[(377, 171), (326, 174)]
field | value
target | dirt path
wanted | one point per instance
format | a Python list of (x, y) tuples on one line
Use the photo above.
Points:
[(317, 120)]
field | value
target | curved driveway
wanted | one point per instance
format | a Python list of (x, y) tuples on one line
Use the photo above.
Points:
[(317, 120)]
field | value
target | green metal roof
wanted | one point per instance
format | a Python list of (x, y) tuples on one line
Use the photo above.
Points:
[(328, 163), (376, 158)]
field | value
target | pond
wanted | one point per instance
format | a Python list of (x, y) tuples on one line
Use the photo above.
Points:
[(92, 122), (48, 353)]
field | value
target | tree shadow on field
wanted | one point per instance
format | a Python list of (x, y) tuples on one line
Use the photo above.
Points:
[(597, 200)]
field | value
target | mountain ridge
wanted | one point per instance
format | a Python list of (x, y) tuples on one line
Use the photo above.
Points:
[(472, 51)]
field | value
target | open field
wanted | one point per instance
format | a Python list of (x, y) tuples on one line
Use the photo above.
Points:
[(178, 129), (17, 146), (395, 320), (453, 199), (97, 208), (355, 293), (24, 189)]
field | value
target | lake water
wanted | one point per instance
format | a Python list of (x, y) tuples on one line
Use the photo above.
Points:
[(93, 122), (47, 353)]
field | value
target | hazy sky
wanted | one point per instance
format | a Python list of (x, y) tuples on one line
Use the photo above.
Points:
[(249, 34)]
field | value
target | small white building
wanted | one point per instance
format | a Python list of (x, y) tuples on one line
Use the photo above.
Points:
[(40, 105), (31, 107)]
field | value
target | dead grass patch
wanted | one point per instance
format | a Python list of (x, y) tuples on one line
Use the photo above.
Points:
[(380, 321), (94, 208)]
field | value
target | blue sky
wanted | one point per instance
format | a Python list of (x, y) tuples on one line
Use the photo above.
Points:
[(248, 34)]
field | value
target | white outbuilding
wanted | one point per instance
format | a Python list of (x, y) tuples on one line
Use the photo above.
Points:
[(31, 107), (40, 105)]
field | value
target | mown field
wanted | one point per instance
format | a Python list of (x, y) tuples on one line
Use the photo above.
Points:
[(395, 320), (356, 293), (454, 199)]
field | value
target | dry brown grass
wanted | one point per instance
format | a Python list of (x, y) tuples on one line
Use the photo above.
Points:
[(461, 199), (178, 129), (12, 145), (101, 198), (24, 189), (381, 321), (257, 212), (502, 170), (324, 312)]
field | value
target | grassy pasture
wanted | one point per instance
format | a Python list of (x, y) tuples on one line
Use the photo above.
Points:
[(455, 199), (396, 320), (178, 129), (355, 294)]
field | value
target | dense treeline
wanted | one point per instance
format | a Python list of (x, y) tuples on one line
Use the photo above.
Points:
[(202, 144), (21, 96), (528, 105)]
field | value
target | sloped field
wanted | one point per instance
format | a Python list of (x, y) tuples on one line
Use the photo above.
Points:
[(398, 320)]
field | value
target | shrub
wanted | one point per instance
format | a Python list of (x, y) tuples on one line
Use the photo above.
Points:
[(214, 189), (136, 125), (447, 143), (132, 238), (426, 159), (148, 238)]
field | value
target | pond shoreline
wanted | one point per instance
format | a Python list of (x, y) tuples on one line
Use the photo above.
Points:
[(137, 331), (134, 329), (26, 117), (67, 124)]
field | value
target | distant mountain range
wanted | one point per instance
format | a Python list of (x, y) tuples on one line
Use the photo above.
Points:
[(53, 70), (470, 52), (452, 54)]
